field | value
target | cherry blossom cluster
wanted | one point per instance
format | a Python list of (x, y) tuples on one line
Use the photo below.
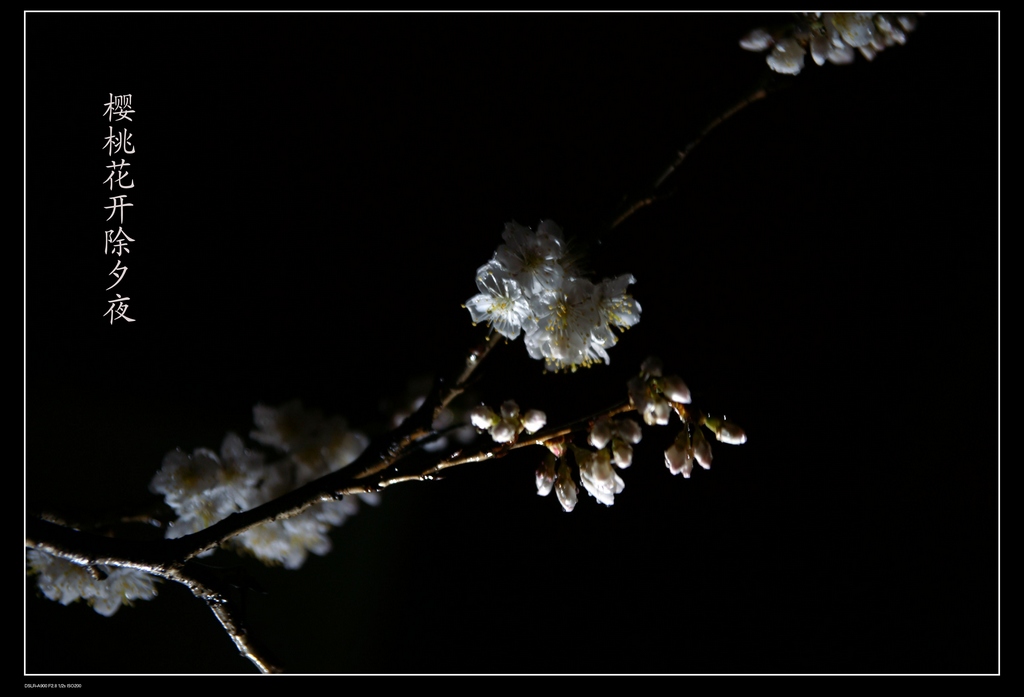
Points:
[(106, 589), (830, 36), (530, 286), (205, 487)]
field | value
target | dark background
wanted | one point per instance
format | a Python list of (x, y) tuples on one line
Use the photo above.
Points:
[(313, 194)]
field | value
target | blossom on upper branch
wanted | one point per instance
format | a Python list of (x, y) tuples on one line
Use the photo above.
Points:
[(500, 302), (829, 36), (529, 286)]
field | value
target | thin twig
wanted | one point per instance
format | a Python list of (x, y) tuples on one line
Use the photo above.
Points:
[(653, 195)]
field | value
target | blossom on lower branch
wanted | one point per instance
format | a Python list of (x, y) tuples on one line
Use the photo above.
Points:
[(111, 587), (530, 286), (205, 487), (655, 397)]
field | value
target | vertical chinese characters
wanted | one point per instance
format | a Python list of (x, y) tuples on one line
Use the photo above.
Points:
[(116, 241)]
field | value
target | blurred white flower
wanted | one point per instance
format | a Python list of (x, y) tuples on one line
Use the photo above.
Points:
[(204, 488), (59, 580), (287, 542), (122, 587), (66, 582), (787, 57), (854, 28), (757, 40), (287, 427)]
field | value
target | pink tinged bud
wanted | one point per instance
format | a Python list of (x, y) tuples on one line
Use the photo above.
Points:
[(701, 449), (504, 431), (483, 417), (510, 410), (565, 489), (556, 447), (600, 433), (534, 420), (622, 453), (675, 389)]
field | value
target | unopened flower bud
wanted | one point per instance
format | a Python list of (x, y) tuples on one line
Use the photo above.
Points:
[(701, 449), (509, 410), (534, 420), (622, 452), (546, 475), (483, 417), (504, 431), (679, 456), (675, 389), (565, 488), (726, 431), (600, 432), (662, 410), (629, 430), (640, 395)]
